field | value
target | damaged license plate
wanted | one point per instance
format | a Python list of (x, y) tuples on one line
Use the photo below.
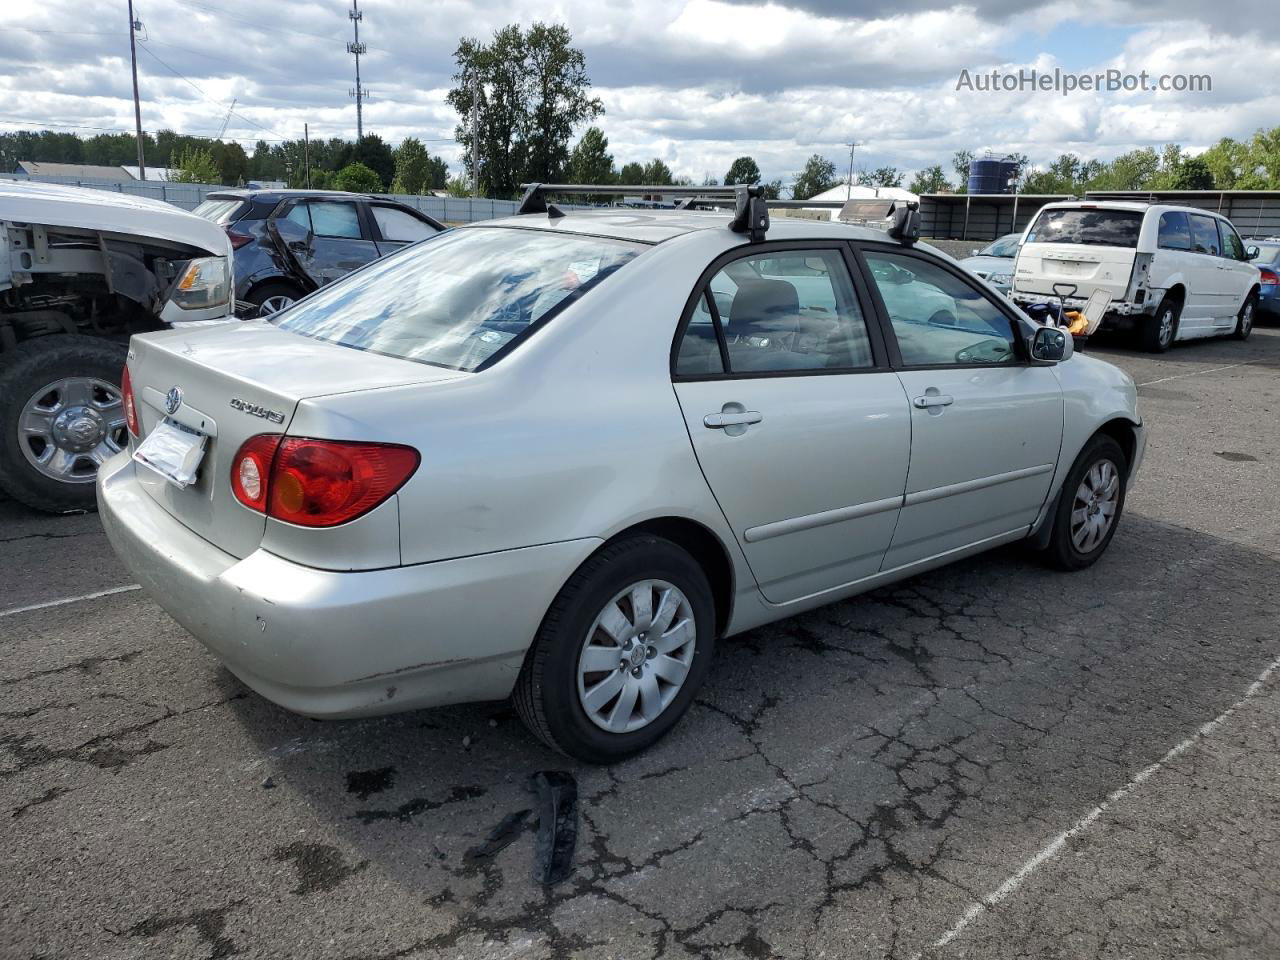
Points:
[(173, 451)]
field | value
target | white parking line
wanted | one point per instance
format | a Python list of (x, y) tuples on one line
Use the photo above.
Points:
[(1054, 846), (1196, 373), (58, 603)]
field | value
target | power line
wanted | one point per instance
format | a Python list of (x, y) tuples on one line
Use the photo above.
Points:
[(209, 99), (275, 28)]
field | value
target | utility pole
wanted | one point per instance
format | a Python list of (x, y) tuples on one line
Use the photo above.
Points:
[(849, 192), (306, 152), (357, 48), (475, 136), (134, 26)]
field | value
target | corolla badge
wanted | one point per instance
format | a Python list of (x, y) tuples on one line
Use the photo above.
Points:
[(173, 399), (254, 410)]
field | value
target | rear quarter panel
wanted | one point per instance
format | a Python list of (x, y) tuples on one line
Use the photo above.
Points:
[(575, 434)]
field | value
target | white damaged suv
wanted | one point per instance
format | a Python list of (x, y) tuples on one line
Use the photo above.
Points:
[(1173, 273)]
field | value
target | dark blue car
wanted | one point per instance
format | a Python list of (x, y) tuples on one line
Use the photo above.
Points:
[(1268, 262), (290, 242)]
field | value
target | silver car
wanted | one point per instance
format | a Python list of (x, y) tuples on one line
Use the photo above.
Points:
[(994, 262), (556, 457)]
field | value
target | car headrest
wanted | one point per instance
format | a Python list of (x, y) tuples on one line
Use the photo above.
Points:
[(764, 308)]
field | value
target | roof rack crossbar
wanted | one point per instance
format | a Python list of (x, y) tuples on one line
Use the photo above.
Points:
[(750, 205)]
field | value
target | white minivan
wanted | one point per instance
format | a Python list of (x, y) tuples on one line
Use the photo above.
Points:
[(1173, 273)]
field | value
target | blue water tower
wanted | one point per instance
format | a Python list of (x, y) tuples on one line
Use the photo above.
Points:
[(992, 176)]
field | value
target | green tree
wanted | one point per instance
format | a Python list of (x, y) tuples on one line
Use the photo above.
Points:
[(529, 91), (819, 174), (357, 178), (413, 167), (742, 170), (773, 190), (591, 161), (373, 153), (457, 187), (655, 171), (193, 166), (632, 173), (558, 99), (881, 177), (930, 180), (960, 161)]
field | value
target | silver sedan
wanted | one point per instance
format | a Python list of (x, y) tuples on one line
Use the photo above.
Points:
[(556, 457)]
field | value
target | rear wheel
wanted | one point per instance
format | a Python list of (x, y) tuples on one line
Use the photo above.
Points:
[(1244, 319), (621, 653), (61, 416), (1089, 506), (274, 296), (1159, 331)]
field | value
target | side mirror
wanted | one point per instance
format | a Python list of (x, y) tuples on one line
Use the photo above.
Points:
[(1049, 345), (1252, 253)]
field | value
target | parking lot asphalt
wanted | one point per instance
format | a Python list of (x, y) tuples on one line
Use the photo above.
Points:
[(988, 761)]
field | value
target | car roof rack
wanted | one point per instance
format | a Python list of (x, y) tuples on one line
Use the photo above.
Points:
[(899, 219)]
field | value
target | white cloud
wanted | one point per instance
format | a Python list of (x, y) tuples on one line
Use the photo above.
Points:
[(696, 82)]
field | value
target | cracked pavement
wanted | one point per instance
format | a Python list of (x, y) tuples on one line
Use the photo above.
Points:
[(849, 783)]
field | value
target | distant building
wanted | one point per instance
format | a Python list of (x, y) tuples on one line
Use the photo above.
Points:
[(160, 174), (77, 171)]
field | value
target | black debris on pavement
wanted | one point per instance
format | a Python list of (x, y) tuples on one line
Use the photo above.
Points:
[(557, 825), (500, 837), (365, 783)]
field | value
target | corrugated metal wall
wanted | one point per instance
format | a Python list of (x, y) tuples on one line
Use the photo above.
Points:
[(983, 217)]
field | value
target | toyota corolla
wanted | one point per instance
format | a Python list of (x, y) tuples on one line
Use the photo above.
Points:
[(556, 457)]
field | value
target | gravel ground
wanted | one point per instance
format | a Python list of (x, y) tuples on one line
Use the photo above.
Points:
[(988, 761)]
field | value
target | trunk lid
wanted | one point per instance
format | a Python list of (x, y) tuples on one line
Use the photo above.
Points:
[(1088, 267), (237, 380)]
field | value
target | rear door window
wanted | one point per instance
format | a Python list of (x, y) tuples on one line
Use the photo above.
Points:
[(1108, 228), (793, 311), (330, 218), (462, 299), (1204, 235), (1175, 232)]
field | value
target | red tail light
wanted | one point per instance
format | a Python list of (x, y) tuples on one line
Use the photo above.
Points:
[(318, 483), (1269, 278), (238, 240), (251, 470), (126, 400)]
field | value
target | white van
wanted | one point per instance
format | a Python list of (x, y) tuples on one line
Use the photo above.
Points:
[(1173, 273)]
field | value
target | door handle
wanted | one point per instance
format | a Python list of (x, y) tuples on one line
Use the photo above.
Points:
[(934, 400), (718, 421)]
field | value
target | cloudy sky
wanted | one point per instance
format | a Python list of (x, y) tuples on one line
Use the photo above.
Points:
[(695, 82)]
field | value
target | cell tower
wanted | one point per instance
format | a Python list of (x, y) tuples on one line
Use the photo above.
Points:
[(357, 48)]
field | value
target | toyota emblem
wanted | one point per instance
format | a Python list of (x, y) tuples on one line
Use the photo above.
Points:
[(173, 400)]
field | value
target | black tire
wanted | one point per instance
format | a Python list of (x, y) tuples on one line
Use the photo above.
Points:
[(1062, 551), (546, 693), (272, 289), (1246, 317), (1149, 332), (31, 366)]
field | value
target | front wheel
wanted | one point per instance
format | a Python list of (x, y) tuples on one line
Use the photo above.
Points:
[(621, 653), (1244, 319), (61, 417), (1089, 506)]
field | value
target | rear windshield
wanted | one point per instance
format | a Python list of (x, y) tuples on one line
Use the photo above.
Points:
[(459, 298), (1108, 228), (1266, 251), (219, 211)]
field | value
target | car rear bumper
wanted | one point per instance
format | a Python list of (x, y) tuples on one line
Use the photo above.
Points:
[(341, 644)]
